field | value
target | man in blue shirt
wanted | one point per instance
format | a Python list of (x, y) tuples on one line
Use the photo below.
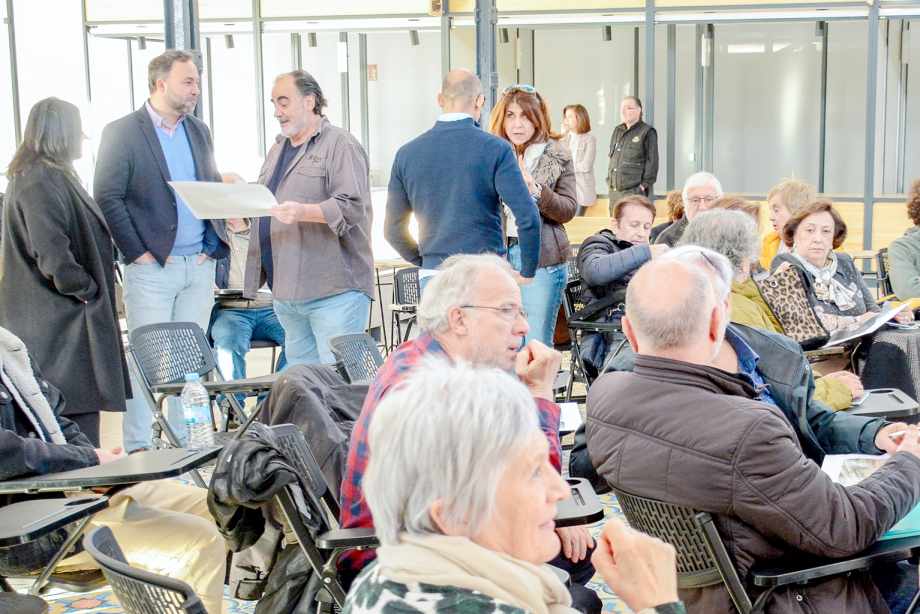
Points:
[(454, 178), (168, 253)]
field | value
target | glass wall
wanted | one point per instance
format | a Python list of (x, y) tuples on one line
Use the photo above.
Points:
[(912, 145), (7, 128), (844, 169)]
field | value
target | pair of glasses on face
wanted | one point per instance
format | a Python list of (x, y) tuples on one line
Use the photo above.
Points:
[(520, 87), (702, 200), (508, 312)]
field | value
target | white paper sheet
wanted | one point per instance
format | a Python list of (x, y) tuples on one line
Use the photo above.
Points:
[(570, 417), (869, 326), (850, 469), (210, 200)]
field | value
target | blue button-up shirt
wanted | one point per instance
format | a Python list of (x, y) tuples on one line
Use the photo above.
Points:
[(747, 366)]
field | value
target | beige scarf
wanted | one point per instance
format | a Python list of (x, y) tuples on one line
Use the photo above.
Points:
[(458, 562)]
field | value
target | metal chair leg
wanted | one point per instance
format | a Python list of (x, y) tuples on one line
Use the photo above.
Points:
[(42, 579)]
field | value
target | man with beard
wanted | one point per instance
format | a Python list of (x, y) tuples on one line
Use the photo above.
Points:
[(168, 253), (314, 252), (470, 312)]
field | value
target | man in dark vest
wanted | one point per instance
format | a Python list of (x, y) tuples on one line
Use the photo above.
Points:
[(633, 155)]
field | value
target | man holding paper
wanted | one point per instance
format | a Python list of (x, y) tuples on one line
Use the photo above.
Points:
[(168, 252), (314, 251)]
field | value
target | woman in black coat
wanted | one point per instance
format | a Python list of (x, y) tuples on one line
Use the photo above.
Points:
[(57, 286)]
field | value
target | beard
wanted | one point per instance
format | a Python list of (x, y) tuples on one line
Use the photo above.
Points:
[(179, 104)]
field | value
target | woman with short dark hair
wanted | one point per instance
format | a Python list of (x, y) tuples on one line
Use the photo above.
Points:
[(57, 283)]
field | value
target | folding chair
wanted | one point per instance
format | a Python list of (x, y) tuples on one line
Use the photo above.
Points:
[(358, 357), (703, 560), (405, 302), (884, 281), (310, 509), (574, 307), (164, 353), (139, 591)]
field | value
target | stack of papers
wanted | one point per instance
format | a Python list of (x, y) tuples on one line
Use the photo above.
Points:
[(570, 418), (850, 469)]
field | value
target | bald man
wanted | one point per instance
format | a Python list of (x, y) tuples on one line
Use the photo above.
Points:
[(679, 430), (454, 178)]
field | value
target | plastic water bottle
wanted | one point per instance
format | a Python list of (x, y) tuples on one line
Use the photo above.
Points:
[(196, 408)]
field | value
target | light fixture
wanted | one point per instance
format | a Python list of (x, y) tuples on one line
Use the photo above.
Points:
[(607, 33), (141, 42), (413, 38), (311, 39), (503, 35), (228, 41)]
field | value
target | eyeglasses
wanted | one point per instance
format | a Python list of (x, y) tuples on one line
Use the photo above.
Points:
[(508, 312), (699, 200), (523, 87)]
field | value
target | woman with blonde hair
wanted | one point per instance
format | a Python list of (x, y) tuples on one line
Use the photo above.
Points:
[(583, 146), (522, 118), (784, 200)]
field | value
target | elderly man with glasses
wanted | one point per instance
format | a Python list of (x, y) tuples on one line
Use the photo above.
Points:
[(700, 191), (471, 312)]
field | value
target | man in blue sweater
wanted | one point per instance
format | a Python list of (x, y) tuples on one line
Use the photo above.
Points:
[(454, 177)]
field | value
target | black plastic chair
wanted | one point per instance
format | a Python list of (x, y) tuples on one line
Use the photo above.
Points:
[(139, 591), (702, 559), (406, 295), (884, 281), (311, 511), (574, 306), (164, 353), (358, 356)]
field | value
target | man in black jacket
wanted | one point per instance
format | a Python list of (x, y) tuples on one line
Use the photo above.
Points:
[(168, 252), (162, 526)]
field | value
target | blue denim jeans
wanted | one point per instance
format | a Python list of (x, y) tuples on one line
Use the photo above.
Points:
[(180, 291), (542, 297), (233, 331), (308, 325)]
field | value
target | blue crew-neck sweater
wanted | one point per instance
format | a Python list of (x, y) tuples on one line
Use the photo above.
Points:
[(181, 164), (454, 178)]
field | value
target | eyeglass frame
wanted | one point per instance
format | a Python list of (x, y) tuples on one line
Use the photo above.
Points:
[(699, 200), (509, 313)]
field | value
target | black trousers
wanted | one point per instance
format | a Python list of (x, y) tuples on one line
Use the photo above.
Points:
[(584, 599)]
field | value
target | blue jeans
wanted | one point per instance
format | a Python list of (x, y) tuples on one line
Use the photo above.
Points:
[(180, 291), (542, 297), (308, 325), (233, 330)]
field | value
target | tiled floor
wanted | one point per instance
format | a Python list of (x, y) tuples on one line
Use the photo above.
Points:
[(104, 601)]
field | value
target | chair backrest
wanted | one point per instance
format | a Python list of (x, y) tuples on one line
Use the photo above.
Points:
[(406, 287), (358, 355), (293, 446), (166, 352), (572, 301), (701, 556), (139, 591), (884, 282)]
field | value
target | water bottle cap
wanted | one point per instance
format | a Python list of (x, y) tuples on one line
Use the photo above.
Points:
[(192, 377)]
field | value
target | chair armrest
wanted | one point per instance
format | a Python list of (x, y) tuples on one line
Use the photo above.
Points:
[(803, 569), (347, 538), (599, 327)]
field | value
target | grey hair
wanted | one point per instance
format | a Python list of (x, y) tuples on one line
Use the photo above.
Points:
[(671, 324), (159, 67), (698, 180), (307, 85), (454, 285), (710, 261), (730, 233), (446, 433), (461, 84)]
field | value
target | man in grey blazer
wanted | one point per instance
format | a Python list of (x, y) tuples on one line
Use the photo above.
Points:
[(168, 253)]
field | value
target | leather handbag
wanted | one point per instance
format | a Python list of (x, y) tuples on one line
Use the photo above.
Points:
[(784, 291)]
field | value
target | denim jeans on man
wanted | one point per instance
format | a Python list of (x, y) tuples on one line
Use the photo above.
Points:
[(542, 297), (234, 330), (308, 325), (180, 291)]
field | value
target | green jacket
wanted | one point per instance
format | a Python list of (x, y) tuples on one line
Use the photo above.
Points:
[(904, 264)]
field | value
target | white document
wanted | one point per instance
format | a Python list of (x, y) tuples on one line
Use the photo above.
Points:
[(869, 326), (211, 200), (570, 417)]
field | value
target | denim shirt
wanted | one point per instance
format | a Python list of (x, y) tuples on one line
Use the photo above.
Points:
[(747, 366)]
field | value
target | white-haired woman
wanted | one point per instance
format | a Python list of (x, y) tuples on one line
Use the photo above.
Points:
[(463, 499), (734, 235)]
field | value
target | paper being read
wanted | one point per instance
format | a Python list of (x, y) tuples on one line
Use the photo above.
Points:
[(210, 200)]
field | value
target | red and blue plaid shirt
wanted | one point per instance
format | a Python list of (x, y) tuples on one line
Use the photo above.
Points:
[(354, 510)]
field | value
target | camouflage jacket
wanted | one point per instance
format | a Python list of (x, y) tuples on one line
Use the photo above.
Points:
[(373, 594)]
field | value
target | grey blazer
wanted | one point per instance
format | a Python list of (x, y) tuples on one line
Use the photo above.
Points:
[(584, 150)]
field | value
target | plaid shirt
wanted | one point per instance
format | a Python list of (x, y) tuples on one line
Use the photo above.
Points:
[(354, 510)]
